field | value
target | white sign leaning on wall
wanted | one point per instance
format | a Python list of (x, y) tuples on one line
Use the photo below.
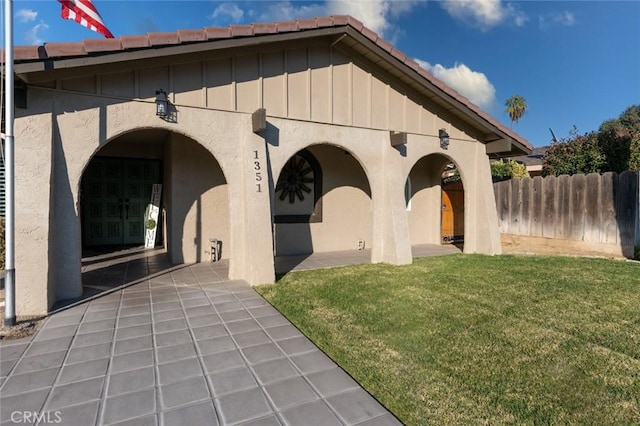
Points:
[(151, 216)]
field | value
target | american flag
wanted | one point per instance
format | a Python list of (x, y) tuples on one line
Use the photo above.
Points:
[(85, 14)]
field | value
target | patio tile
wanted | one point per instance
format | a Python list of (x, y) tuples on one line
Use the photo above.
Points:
[(282, 332), (203, 320), (271, 320), (243, 405), (216, 344), (170, 325), (48, 334), (31, 401), (233, 380), (296, 345), (168, 315), (312, 361), (181, 393), (134, 320), (131, 405), (91, 339), (166, 306), (77, 415), (173, 353), (179, 370), (235, 315), (75, 393), (88, 353), (12, 351), (48, 346), (330, 382), (251, 338), (271, 371), (135, 310), (58, 320), (264, 311), (93, 326), (83, 370), (198, 414), (39, 362), (140, 421), (133, 345), (132, 361), (133, 331), (196, 302), (101, 315), (132, 380), (209, 331), (233, 305), (312, 413), (290, 392), (200, 311), (262, 353), (355, 406), (223, 361), (173, 338), (386, 419), (28, 382), (243, 326), (270, 420)]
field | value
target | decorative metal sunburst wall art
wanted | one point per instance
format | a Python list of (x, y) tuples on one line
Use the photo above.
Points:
[(295, 176)]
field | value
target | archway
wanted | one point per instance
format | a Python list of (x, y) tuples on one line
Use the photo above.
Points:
[(322, 203), (116, 191), (435, 202)]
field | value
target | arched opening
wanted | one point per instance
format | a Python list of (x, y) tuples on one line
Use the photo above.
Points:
[(435, 202), (121, 240), (322, 203)]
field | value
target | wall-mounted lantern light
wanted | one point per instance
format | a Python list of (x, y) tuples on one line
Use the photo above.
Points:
[(162, 103), (444, 138)]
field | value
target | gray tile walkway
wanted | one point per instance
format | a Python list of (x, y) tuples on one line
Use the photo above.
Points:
[(185, 346)]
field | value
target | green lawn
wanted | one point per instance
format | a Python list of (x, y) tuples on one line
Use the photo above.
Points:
[(471, 339)]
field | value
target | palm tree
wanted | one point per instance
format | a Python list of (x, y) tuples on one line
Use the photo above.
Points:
[(516, 107)]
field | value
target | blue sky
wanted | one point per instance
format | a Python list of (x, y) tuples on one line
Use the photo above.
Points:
[(575, 62)]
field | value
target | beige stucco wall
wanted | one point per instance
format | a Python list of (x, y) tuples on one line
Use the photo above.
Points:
[(346, 208), (219, 175)]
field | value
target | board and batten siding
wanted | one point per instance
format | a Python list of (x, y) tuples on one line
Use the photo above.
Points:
[(312, 83)]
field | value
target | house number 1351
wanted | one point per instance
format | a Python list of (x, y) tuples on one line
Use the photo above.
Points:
[(257, 168)]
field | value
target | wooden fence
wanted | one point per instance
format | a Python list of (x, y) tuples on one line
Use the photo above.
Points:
[(593, 208)]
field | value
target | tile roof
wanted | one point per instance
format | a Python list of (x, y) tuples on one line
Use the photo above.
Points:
[(89, 47)]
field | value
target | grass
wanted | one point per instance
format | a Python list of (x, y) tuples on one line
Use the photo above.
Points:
[(471, 339)]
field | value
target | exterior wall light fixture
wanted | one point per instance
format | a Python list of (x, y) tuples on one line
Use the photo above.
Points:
[(162, 103), (444, 139)]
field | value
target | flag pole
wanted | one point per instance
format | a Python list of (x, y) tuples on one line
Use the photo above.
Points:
[(9, 226)]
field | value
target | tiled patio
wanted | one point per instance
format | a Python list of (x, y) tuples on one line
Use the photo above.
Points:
[(185, 347), (156, 344)]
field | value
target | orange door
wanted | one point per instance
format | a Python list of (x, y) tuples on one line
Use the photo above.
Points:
[(452, 212)]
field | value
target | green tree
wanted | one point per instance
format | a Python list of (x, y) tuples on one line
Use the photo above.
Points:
[(516, 106), (614, 147), (503, 170)]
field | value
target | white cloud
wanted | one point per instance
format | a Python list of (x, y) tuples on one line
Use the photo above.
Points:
[(485, 14), (376, 15), (33, 35), (26, 15), (228, 10), (472, 84), (564, 19)]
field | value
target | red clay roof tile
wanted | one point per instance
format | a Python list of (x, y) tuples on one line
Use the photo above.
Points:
[(287, 26), (102, 44), (324, 21), (305, 24), (64, 49), (187, 36), (135, 41), (265, 28), (241, 30), (217, 32), (160, 39), (371, 35)]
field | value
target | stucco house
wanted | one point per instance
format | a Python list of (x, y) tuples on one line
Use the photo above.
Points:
[(302, 136)]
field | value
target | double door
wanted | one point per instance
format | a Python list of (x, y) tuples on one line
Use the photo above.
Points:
[(115, 195)]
